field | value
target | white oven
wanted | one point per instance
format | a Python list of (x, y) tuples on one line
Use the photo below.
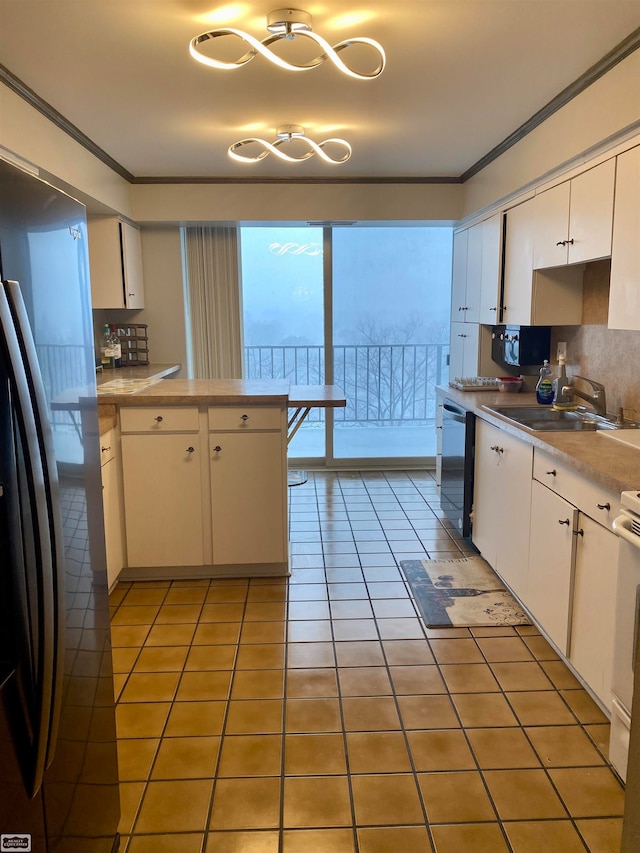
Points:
[(627, 527)]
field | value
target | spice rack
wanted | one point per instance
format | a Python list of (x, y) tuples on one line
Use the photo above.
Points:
[(134, 342)]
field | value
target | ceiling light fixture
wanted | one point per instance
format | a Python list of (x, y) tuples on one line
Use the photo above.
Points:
[(285, 134), (287, 24)]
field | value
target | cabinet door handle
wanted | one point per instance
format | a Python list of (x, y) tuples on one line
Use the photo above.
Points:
[(551, 473), (563, 521), (244, 418), (496, 448), (159, 418), (561, 243), (578, 532), (493, 309), (606, 506), (462, 336), (217, 448), (105, 449), (190, 449)]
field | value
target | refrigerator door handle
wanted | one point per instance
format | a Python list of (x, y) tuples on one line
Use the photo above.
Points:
[(31, 406)]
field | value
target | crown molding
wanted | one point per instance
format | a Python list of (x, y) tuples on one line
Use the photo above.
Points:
[(620, 52), (33, 99)]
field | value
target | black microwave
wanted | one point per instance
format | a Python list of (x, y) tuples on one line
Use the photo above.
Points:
[(520, 346)]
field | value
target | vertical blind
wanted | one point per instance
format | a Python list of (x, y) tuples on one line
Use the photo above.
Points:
[(213, 293)]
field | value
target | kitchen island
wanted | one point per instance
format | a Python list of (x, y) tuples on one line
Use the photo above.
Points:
[(204, 473)]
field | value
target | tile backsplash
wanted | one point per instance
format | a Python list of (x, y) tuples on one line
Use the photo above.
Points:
[(610, 356)]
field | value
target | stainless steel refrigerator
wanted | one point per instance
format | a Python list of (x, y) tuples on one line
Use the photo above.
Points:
[(58, 763)]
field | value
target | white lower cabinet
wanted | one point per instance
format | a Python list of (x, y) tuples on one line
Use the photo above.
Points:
[(112, 505), (594, 598), (205, 487), (248, 498), (572, 584), (163, 499), (551, 549), (502, 503)]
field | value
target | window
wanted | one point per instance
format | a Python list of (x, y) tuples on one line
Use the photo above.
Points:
[(384, 339)]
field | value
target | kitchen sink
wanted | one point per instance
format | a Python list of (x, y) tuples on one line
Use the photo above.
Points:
[(551, 420)]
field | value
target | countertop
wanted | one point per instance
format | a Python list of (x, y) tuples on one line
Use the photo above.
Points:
[(194, 392), (153, 372), (608, 462), (141, 386)]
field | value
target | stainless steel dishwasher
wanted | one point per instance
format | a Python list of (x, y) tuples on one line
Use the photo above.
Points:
[(458, 443)]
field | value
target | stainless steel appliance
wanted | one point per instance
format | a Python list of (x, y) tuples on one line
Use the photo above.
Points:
[(458, 443), (58, 765), (520, 346), (627, 527)]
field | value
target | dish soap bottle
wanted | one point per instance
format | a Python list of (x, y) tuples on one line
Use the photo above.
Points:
[(562, 399), (544, 388)]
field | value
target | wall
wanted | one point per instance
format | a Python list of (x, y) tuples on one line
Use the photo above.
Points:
[(26, 132), (604, 109), (164, 311), (294, 202), (609, 356)]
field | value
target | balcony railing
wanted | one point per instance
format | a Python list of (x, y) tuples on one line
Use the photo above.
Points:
[(388, 384)]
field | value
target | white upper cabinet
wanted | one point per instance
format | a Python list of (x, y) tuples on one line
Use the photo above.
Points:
[(544, 297), (459, 276), (624, 297), (115, 261), (573, 220), (491, 269), (476, 272)]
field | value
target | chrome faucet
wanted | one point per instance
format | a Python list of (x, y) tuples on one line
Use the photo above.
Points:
[(598, 399)]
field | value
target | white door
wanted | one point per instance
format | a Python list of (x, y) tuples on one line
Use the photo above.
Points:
[(594, 599), (624, 296), (248, 498), (512, 505), (550, 243), (486, 513), (459, 276), (591, 213), (518, 265), (162, 497), (551, 544), (491, 269)]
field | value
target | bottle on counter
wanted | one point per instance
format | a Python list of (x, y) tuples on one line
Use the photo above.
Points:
[(116, 347), (544, 387), (106, 348), (562, 399)]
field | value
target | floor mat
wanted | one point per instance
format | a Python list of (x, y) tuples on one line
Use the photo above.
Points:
[(461, 593)]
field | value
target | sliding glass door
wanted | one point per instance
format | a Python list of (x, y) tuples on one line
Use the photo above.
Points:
[(365, 308), (391, 300), (283, 313)]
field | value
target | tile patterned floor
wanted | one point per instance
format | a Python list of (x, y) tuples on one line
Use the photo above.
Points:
[(319, 715)]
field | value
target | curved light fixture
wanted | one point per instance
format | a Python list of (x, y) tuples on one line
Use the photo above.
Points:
[(284, 134), (287, 24)]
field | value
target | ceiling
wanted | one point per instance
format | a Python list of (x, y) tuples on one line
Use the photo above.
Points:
[(461, 77)]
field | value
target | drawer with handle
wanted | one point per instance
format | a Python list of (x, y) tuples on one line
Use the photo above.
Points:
[(590, 497), (245, 418), (159, 419)]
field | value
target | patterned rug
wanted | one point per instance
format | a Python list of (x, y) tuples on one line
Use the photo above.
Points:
[(461, 593)]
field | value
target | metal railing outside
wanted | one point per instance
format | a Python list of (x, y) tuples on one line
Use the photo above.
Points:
[(385, 384)]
